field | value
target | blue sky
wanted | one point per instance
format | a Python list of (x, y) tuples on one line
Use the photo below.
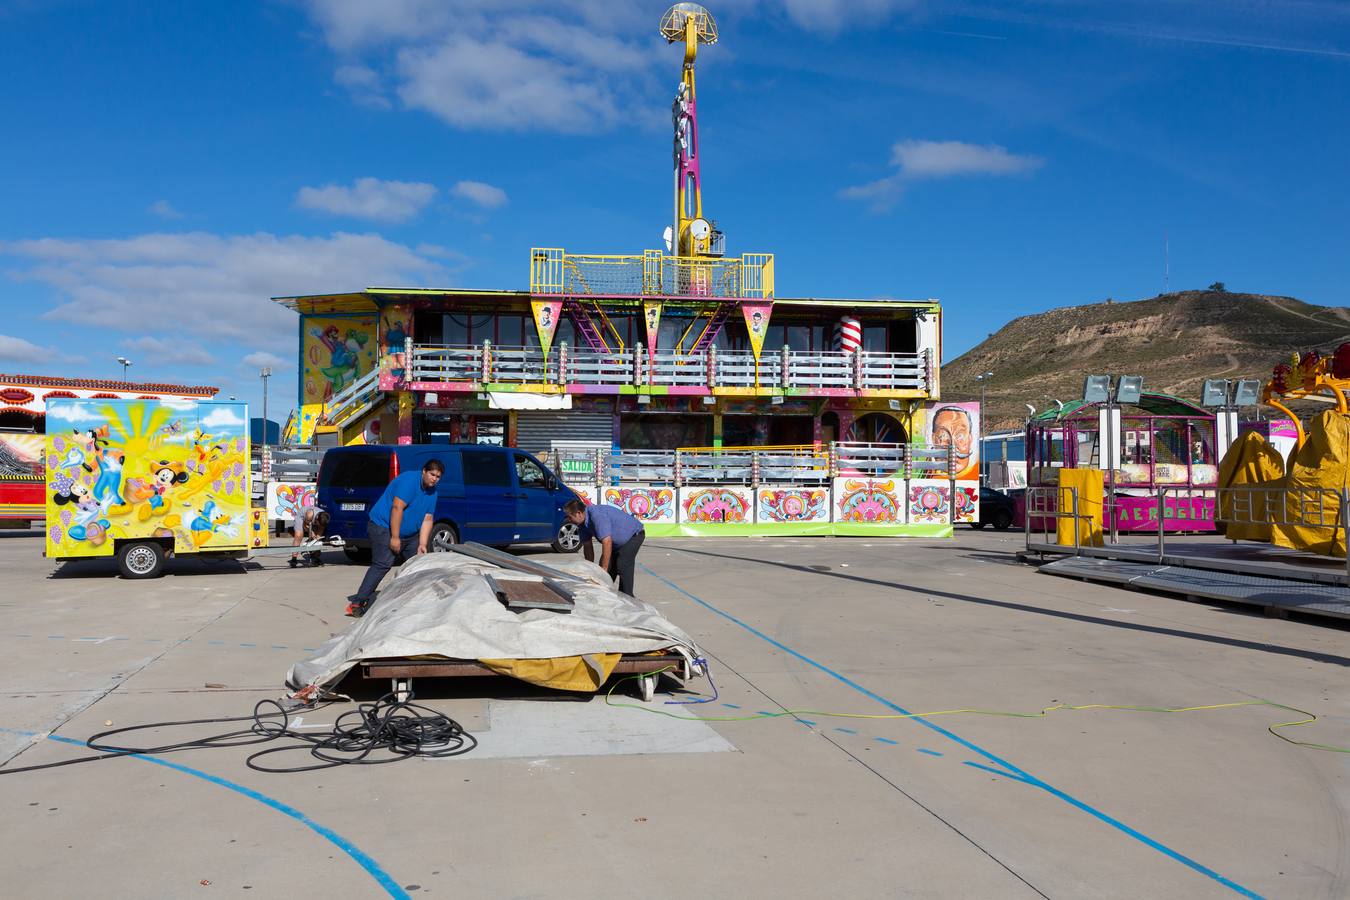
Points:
[(168, 167)]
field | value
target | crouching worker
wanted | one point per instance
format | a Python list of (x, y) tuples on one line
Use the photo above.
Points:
[(400, 521), (311, 524), (620, 537)]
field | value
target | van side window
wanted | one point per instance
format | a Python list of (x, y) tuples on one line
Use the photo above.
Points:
[(528, 472), (483, 468), (355, 469)]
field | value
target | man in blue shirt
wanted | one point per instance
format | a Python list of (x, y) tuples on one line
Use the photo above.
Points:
[(405, 510), (619, 534)]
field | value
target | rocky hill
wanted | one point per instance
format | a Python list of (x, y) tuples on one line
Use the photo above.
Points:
[(1175, 341)]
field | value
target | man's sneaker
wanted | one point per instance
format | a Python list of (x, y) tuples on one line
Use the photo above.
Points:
[(356, 609)]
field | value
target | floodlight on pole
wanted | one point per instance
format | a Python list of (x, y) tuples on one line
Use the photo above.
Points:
[(984, 422), (125, 363)]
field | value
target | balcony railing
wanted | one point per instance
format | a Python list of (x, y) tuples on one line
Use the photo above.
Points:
[(653, 274), (792, 370), (756, 466)]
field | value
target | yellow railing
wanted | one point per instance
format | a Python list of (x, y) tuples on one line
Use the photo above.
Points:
[(652, 274)]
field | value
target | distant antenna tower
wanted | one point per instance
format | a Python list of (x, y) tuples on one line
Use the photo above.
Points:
[(691, 234), (1167, 264)]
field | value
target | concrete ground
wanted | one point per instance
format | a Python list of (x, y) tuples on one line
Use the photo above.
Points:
[(573, 798)]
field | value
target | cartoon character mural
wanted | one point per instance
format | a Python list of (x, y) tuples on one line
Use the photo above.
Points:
[(756, 324), (288, 500), (395, 329), (185, 465), (336, 351), (546, 314), (958, 425)]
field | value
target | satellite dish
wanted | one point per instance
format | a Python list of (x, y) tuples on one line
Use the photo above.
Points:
[(669, 233), (700, 230)]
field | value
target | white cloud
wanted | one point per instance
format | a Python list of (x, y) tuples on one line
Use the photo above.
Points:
[(212, 286), (927, 160), (158, 351), (164, 210), (484, 195), (836, 15), (364, 85), (261, 358), (222, 417), (369, 198), (16, 349), (516, 65), (943, 159)]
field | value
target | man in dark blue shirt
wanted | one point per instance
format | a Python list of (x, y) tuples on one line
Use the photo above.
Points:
[(619, 534), (405, 510)]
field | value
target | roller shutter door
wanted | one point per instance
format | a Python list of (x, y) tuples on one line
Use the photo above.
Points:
[(536, 430)]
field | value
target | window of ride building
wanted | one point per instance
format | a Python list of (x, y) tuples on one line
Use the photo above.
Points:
[(1203, 446), (662, 431), (767, 431), (1169, 442)]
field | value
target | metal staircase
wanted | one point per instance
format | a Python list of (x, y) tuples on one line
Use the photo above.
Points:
[(357, 399), (713, 328)]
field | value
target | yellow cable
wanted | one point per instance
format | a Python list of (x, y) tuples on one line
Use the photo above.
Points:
[(1310, 717)]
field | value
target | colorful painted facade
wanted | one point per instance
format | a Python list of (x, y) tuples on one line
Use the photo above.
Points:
[(172, 470)]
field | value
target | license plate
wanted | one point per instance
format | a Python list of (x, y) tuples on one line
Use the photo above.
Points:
[(353, 507)]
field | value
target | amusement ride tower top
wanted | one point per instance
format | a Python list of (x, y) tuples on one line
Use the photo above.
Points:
[(691, 234)]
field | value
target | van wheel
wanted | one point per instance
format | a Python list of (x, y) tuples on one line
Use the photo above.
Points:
[(568, 539), (443, 537), (358, 555), (144, 559), (977, 525), (1002, 520)]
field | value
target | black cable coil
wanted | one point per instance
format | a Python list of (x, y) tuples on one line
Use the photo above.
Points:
[(385, 731)]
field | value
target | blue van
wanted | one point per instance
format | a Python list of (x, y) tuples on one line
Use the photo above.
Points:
[(492, 495)]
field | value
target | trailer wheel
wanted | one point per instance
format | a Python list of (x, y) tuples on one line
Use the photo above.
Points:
[(143, 559)]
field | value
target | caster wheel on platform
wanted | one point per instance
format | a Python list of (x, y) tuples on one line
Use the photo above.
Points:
[(647, 687)]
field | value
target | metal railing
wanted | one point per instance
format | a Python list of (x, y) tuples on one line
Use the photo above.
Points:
[(755, 466), (637, 366), (1325, 509), (1044, 508), (555, 271), (353, 399)]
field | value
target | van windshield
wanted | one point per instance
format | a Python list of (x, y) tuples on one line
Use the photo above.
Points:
[(355, 470)]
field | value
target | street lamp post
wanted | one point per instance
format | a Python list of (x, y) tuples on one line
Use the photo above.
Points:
[(265, 374), (984, 426), (125, 362)]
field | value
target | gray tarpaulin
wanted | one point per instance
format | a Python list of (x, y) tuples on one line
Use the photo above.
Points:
[(439, 604)]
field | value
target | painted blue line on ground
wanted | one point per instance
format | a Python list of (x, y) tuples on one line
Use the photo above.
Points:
[(310, 649), (278, 646), (929, 752), (847, 730), (764, 712), (975, 765), (731, 706), (248, 645), (808, 722), (886, 740), (974, 748), (391, 887)]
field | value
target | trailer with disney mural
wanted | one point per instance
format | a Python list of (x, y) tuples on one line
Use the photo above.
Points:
[(140, 480)]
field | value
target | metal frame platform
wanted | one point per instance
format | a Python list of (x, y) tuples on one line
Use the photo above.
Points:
[(403, 671), (1210, 582)]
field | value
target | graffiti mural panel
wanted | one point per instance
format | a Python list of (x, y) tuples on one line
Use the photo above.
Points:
[(647, 504), (878, 501), (792, 505), (929, 500), (716, 505)]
